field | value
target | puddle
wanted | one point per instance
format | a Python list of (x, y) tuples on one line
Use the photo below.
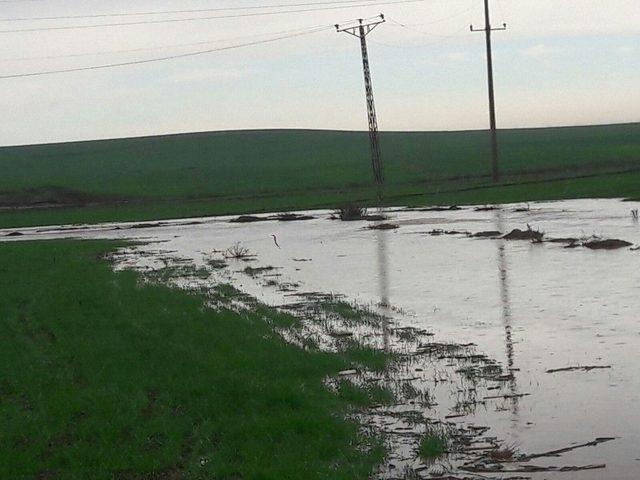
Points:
[(516, 348)]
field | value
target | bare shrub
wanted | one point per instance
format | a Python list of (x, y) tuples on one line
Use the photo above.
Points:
[(237, 251)]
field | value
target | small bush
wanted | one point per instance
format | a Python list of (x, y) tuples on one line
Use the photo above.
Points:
[(237, 251)]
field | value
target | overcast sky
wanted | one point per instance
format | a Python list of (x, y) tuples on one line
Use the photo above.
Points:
[(559, 63)]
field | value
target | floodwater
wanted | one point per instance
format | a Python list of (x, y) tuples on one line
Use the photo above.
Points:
[(526, 307)]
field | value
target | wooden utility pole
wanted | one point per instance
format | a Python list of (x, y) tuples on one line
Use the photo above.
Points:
[(495, 172)]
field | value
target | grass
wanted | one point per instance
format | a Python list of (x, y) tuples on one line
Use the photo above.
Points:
[(103, 377), (432, 446), (258, 171)]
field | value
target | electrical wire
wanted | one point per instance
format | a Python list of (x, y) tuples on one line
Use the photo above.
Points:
[(159, 47), (168, 12), (433, 22), (190, 19), (442, 39), (166, 58)]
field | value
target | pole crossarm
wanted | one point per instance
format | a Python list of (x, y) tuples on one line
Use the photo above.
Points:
[(355, 30), (360, 31), (493, 29)]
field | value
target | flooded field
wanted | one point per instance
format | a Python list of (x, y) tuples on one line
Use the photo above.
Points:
[(520, 346)]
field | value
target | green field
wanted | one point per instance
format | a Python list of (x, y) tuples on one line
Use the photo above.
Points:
[(105, 377), (251, 171)]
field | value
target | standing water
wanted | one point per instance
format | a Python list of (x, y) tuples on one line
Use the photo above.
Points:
[(558, 318)]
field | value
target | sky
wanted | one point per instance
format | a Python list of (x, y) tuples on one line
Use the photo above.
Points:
[(570, 62)]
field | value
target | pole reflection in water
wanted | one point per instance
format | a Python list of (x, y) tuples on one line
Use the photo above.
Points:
[(503, 274), (383, 280)]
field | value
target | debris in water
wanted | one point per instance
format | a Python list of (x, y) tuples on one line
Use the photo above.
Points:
[(556, 453), (438, 232), (14, 234), (488, 234), (498, 468), (293, 217), (586, 368), (384, 226)]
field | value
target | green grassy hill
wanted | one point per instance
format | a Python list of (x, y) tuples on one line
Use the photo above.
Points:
[(241, 171)]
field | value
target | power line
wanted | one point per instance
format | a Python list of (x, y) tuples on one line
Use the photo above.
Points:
[(432, 22), (190, 19), (159, 47), (441, 39), (168, 12), (162, 59)]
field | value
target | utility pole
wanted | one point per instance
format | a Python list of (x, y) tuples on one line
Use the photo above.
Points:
[(361, 30), (495, 174)]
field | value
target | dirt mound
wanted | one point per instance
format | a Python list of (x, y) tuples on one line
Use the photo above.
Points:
[(611, 244), (529, 234)]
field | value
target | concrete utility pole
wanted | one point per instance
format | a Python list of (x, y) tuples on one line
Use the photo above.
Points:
[(361, 30), (492, 102)]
